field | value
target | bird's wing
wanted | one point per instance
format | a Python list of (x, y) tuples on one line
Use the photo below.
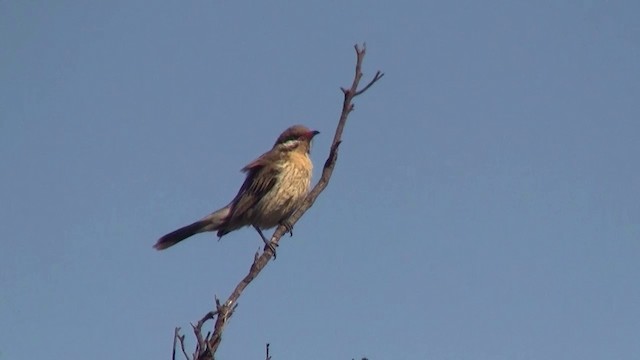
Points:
[(261, 178)]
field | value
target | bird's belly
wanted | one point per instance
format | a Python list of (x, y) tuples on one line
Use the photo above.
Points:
[(285, 197)]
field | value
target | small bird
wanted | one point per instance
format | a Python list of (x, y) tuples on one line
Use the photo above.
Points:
[(275, 186)]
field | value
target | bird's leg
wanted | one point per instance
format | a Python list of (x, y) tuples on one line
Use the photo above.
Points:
[(271, 245), (287, 225)]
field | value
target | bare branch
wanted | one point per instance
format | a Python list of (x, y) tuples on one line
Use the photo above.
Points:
[(208, 346), (176, 334), (176, 338), (202, 345), (377, 77), (181, 338)]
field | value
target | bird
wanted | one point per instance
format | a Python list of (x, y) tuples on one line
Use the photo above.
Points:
[(276, 183)]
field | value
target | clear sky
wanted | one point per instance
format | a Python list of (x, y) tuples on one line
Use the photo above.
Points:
[(485, 205)]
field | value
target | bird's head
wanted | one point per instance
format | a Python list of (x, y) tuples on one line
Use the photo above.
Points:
[(297, 137)]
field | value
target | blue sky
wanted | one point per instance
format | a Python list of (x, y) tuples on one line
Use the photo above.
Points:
[(485, 205)]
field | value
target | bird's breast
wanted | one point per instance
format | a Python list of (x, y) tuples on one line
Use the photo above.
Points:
[(291, 187)]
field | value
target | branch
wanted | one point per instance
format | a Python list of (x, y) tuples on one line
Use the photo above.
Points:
[(268, 357), (176, 338), (330, 163), (176, 335), (202, 347), (207, 347)]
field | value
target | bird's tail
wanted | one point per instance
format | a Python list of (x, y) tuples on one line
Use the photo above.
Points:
[(175, 237), (210, 223)]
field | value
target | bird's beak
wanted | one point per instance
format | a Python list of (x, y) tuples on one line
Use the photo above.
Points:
[(313, 133)]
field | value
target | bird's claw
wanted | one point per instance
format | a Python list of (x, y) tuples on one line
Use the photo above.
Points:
[(287, 225), (268, 243), (272, 246)]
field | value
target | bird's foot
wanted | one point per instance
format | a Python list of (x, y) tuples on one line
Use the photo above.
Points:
[(272, 246), (268, 244), (287, 225)]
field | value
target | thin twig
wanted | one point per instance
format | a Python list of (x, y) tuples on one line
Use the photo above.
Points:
[(176, 338), (181, 338), (202, 346), (377, 77), (176, 334)]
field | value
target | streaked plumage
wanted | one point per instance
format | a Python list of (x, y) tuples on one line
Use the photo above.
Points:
[(275, 185)]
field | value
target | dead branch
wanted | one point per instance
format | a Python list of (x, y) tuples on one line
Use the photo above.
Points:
[(207, 347), (176, 338)]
